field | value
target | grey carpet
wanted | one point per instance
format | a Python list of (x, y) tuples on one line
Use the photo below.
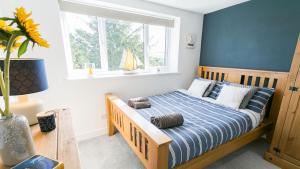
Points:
[(113, 153)]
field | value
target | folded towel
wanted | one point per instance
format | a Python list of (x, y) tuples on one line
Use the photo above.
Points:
[(139, 105), (168, 120), (139, 99), (139, 102)]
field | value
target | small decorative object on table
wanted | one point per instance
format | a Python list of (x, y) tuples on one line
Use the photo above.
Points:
[(16, 143), (46, 121), (39, 162)]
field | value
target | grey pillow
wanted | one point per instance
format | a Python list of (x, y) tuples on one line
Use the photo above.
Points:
[(210, 87), (248, 96)]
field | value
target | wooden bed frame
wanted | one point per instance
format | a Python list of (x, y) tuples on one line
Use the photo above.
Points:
[(151, 145)]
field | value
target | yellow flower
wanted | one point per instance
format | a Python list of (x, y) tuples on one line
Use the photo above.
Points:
[(2, 24), (17, 44), (5, 27), (9, 29), (30, 28), (21, 15), (2, 46)]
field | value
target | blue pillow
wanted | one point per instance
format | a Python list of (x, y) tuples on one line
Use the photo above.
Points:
[(216, 90), (260, 100)]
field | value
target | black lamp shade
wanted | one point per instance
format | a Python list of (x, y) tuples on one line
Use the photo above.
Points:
[(26, 76)]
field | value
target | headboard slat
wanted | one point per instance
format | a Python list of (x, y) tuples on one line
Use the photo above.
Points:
[(247, 76), (271, 82), (261, 81), (253, 81), (246, 79)]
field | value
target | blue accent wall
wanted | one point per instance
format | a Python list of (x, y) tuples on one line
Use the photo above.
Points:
[(259, 34)]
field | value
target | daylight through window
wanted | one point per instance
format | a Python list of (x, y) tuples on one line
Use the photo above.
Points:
[(102, 42)]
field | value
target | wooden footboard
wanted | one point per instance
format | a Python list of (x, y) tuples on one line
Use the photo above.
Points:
[(149, 143)]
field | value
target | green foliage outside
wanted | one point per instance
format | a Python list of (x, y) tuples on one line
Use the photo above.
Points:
[(119, 36), (85, 46), (156, 60)]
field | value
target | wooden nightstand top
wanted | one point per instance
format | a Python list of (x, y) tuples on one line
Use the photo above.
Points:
[(59, 144)]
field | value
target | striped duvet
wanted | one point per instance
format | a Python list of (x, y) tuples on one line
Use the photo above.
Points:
[(206, 125)]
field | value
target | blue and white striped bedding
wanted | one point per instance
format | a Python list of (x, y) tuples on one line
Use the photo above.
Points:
[(206, 125)]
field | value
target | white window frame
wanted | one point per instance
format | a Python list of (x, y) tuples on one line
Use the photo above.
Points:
[(170, 34), (146, 49)]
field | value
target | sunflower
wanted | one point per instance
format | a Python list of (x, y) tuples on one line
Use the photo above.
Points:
[(5, 31), (16, 44), (2, 46), (5, 27), (28, 26), (21, 15), (2, 24)]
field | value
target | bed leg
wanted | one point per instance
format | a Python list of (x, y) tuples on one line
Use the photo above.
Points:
[(111, 129), (163, 156), (159, 156)]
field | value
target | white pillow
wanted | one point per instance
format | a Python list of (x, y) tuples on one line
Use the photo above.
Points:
[(198, 87), (232, 96)]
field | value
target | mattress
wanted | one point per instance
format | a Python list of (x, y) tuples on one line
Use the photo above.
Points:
[(206, 124)]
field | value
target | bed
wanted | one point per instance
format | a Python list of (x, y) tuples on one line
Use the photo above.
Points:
[(200, 141)]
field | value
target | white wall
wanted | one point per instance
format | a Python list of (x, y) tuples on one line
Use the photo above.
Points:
[(86, 97)]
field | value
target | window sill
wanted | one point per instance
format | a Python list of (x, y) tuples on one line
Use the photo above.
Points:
[(119, 75)]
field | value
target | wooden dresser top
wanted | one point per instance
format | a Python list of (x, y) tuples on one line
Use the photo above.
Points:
[(59, 144)]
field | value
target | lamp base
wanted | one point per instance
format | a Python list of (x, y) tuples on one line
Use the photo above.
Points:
[(27, 107)]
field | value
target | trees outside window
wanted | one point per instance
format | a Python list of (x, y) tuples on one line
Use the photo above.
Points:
[(102, 42), (121, 36)]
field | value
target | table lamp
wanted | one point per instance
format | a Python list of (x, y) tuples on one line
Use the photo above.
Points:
[(26, 76)]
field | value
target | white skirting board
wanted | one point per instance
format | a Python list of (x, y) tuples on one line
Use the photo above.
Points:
[(91, 134)]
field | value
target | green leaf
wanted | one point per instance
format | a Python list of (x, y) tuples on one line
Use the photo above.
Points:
[(12, 23), (23, 48), (6, 19), (19, 33)]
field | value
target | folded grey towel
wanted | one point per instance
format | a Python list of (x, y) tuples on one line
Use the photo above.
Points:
[(139, 105), (139, 99), (139, 102), (168, 120)]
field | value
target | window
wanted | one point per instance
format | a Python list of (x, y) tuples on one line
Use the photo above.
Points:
[(84, 40), (102, 41), (157, 45), (121, 35)]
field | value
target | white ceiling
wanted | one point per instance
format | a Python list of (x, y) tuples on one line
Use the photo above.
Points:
[(199, 6)]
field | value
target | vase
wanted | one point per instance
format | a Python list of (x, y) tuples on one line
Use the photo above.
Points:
[(16, 143)]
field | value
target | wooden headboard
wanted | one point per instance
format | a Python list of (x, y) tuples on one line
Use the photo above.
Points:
[(259, 78)]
